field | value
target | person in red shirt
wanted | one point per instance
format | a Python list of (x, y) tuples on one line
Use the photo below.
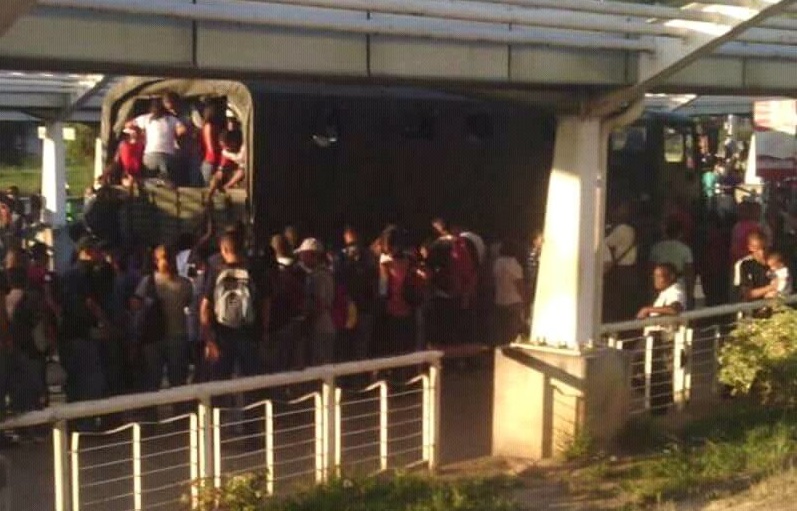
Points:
[(130, 156), (211, 146), (232, 166)]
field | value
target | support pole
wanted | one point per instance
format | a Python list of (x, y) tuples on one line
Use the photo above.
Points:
[(566, 307), (54, 174), (61, 465), (99, 158)]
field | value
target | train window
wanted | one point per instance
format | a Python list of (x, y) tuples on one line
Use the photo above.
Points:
[(629, 139), (674, 145)]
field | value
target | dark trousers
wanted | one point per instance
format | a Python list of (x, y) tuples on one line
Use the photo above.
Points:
[(441, 323)]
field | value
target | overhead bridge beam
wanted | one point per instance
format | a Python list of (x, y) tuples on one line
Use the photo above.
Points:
[(672, 56), (11, 10)]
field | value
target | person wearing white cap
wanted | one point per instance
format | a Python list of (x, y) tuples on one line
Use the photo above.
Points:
[(319, 294)]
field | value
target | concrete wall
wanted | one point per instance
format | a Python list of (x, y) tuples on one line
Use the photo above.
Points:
[(544, 398)]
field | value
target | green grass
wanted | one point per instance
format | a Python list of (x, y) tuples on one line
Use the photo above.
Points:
[(385, 493), (29, 179), (727, 451)]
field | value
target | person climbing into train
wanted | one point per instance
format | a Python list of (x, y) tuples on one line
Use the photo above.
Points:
[(232, 165), (161, 130)]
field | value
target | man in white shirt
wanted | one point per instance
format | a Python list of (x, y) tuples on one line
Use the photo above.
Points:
[(675, 252), (671, 297), (161, 130), (669, 302)]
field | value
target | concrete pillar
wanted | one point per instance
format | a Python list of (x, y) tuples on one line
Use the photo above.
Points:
[(545, 399), (568, 300), (54, 174)]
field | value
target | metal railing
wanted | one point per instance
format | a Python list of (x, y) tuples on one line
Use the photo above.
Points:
[(285, 429), (674, 359)]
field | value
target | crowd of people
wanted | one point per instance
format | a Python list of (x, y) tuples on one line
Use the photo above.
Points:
[(733, 248), (124, 320), (179, 149)]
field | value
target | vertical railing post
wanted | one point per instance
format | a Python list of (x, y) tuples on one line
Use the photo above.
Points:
[(269, 414), (688, 353), (383, 425), (63, 497), (648, 370), (677, 381), (75, 469), (217, 448), (138, 504), (435, 381), (426, 423), (330, 431), (338, 431), (205, 419), (194, 460), (715, 362), (319, 438)]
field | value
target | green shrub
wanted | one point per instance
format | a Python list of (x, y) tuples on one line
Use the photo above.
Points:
[(760, 359), (394, 493)]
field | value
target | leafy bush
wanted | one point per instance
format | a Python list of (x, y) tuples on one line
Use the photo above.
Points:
[(760, 359), (394, 493)]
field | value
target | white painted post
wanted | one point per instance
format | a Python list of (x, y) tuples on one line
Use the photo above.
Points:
[(715, 363), (319, 438), (75, 456), (338, 431), (330, 433), (679, 341), (63, 499), (216, 448), (269, 416), (435, 382), (427, 423), (137, 486), (194, 460), (54, 174), (688, 349), (383, 425), (648, 369), (205, 419), (99, 158)]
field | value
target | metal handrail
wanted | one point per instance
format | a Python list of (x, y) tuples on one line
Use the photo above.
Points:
[(204, 391), (708, 312)]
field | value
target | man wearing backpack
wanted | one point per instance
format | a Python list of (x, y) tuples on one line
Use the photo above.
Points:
[(234, 313)]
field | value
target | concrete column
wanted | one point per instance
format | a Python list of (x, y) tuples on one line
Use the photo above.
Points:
[(54, 174), (568, 300)]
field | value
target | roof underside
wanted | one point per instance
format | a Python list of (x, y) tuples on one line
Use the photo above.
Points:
[(561, 52)]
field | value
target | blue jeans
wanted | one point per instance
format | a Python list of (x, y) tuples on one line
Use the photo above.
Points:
[(171, 352)]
